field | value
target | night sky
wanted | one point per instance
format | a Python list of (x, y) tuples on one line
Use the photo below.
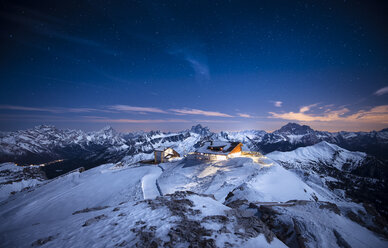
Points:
[(167, 65)]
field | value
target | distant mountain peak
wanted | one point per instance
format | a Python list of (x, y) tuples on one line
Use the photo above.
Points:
[(295, 128), (108, 131), (384, 130), (199, 129)]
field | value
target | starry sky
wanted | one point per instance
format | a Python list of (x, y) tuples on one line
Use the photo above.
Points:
[(167, 65)]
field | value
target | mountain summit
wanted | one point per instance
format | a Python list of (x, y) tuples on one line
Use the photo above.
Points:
[(294, 128), (199, 129)]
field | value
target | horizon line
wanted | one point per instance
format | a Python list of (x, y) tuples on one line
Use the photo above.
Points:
[(181, 130)]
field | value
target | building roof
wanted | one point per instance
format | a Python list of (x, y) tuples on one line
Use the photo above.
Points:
[(227, 147), (162, 148)]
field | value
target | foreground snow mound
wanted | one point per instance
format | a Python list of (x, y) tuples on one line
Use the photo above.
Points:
[(175, 220), (14, 178), (201, 221), (264, 180), (275, 184)]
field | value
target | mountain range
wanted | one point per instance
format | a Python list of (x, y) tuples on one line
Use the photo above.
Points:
[(308, 189), (75, 148)]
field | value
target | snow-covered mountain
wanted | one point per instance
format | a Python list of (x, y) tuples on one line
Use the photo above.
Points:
[(43, 144), (351, 174), (292, 136), (75, 148), (241, 202), (320, 154)]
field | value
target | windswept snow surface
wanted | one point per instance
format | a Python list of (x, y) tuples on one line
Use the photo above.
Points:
[(53, 203), (103, 207), (120, 205), (321, 224), (267, 181), (276, 184)]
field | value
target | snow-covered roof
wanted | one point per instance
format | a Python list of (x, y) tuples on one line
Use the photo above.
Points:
[(226, 147), (162, 148)]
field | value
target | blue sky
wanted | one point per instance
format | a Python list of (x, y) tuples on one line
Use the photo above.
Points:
[(167, 65)]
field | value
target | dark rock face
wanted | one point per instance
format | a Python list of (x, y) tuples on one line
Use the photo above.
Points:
[(199, 129), (294, 128), (43, 241), (286, 220), (23, 173), (189, 228), (87, 210), (341, 242), (94, 220)]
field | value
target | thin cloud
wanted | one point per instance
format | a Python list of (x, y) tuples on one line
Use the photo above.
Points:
[(244, 115), (137, 109), (194, 54), (23, 108), (201, 69), (53, 110), (382, 91), (104, 120), (307, 108), (378, 114), (277, 103), (199, 112), (216, 121), (117, 109)]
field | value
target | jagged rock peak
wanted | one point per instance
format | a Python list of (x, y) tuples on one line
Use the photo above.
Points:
[(295, 128), (108, 129), (199, 129)]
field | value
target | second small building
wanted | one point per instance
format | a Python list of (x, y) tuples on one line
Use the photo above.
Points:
[(218, 150), (164, 154)]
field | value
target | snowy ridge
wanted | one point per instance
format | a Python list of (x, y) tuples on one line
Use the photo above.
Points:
[(43, 138), (292, 136), (14, 179), (323, 152), (73, 149), (330, 169), (46, 143)]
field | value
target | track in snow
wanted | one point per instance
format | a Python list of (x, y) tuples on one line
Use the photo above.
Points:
[(149, 184)]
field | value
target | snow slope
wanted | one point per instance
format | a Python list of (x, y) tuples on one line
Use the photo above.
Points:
[(120, 205), (81, 209), (267, 180), (323, 227), (323, 152)]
